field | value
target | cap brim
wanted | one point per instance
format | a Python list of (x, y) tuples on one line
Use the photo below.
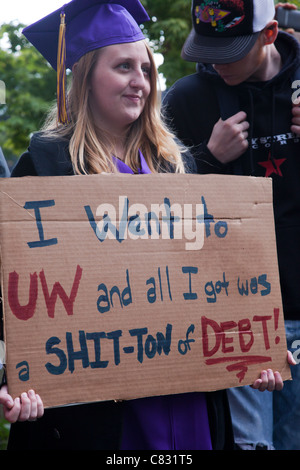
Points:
[(211, 50)]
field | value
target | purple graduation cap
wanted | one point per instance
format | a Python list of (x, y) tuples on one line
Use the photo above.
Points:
[(81, 26)]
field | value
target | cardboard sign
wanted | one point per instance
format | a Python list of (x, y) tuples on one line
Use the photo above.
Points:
[(118, 287)]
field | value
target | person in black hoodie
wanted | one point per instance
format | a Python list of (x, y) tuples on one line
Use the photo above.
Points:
[(237, 117)]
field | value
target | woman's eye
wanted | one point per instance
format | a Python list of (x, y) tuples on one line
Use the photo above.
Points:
[(124, 66), (146, 70)]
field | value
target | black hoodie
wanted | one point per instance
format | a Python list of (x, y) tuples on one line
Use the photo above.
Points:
[(192, 108)]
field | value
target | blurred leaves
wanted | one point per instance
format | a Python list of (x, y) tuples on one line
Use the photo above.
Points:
[(30, 85), (168, 29)]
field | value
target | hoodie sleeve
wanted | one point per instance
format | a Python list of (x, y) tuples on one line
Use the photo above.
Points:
[(206, 162)]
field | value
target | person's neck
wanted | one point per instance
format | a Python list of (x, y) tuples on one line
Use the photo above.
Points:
[(119, 148), (115, 141), (271, 66)]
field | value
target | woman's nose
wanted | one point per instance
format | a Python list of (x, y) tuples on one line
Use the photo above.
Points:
[(138, 79)]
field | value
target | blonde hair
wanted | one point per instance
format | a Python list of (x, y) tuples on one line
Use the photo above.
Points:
[(89, 147)]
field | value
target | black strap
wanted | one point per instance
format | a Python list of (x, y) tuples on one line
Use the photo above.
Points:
[(229, 105), (297, 74), (228, 101)]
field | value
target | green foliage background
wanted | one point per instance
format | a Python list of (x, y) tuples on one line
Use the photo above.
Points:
[(30, 85)]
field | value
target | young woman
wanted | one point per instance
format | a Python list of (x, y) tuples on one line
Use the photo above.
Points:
[(114, 125)]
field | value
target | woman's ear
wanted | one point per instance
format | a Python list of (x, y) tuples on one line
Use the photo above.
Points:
[(270, 32), (74, 67)]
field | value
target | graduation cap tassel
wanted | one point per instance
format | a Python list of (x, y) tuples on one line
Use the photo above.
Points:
[(62, 117)]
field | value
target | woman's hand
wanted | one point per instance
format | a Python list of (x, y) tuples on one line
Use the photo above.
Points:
[(28, 407), (270, 380), (286, 6)]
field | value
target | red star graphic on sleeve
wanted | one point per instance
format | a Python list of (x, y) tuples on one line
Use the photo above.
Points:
[(272, 166)]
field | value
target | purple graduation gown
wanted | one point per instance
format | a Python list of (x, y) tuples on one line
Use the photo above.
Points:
[(171, 422)]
